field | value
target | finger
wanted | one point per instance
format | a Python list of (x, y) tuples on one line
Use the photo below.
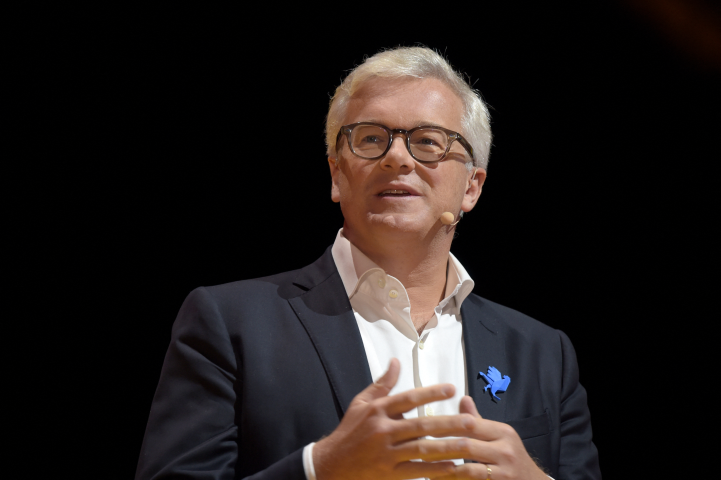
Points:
[(449, 449), (440, 426), (487, 430), (470, 471), (442, 449), (424, 469), (490, 431), (467, 405), (402, 402), (382, 386)]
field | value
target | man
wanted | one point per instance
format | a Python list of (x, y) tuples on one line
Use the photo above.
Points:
[(365, 364)]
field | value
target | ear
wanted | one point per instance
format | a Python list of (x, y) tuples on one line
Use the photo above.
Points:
[(334, 165), (473, 192)]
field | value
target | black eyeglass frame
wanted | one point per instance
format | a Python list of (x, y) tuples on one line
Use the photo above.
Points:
[(347, 130)]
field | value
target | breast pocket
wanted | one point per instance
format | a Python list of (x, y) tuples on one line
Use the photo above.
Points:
[(534, 432), (532, 426)]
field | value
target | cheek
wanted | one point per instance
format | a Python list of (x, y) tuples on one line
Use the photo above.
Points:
[(454, 192), (351, 182), (345, 188), (451, 186), (349, 196)]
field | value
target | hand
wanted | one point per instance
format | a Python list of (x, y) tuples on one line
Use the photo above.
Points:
[(375, 442), (496, 446)]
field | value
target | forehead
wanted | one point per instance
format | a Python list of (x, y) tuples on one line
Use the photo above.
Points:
[(406, 103)]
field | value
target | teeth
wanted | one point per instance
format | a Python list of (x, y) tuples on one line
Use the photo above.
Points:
[(394, 191)]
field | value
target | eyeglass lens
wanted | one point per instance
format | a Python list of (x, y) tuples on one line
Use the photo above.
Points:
[(427, 144)]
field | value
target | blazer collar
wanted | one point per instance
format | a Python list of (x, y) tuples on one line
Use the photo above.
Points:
[(484, 347), (352, 264), (326, 313)]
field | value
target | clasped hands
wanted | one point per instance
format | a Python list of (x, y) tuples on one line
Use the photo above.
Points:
[(374, 441)]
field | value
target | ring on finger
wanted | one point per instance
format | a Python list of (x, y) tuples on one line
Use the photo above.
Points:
[(488, 469)]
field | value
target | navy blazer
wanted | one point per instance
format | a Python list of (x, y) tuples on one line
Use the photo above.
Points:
[(258, 369)]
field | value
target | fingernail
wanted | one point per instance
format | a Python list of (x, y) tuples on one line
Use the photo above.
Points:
[(446, 391)]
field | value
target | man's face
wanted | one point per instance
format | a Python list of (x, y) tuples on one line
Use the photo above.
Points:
[(363, 186)]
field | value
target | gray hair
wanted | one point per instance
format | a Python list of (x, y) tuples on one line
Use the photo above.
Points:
[(416, 62)]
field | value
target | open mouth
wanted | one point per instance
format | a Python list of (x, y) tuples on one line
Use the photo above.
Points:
[(394, 193)]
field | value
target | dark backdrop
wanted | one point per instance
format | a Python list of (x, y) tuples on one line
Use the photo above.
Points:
[(196, 157)]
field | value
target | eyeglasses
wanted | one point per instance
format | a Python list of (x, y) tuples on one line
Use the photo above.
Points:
[(426, 144)]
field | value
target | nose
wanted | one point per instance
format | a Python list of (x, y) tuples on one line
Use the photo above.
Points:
[(398, 157)]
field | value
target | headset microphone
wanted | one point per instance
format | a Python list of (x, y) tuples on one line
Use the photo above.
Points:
[(447, 219)]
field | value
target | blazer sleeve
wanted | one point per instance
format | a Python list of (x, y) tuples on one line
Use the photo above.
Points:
[(192, 431), (579, 457)]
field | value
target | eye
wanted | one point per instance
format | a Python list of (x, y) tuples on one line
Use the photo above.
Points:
[(429, 140), (371, 139)]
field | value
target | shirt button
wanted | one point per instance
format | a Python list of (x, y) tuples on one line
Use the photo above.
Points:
[(429, 411), (393, 294), (422, 345), (382, 282)]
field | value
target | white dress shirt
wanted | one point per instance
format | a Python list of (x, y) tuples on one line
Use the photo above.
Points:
[(382, 310)]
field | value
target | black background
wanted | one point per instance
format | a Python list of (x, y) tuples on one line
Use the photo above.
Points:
[(192, 153)]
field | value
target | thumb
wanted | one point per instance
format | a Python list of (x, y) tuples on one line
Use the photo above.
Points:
[(467, 405), (382, 386)]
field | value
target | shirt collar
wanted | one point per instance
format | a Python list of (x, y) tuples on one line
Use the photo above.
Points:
[(352, 264)]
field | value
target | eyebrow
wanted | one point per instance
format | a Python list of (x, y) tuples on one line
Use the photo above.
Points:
[(417, 123)]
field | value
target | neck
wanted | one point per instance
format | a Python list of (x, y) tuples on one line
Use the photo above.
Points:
[(418, 261)]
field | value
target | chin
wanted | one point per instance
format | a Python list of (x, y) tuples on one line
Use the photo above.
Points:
[(401, 222)]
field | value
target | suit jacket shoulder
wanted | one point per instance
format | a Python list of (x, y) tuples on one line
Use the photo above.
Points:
[(255, 370), (512, 319)]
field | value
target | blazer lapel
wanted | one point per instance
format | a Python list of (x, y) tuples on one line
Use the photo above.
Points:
[(484, 347), (326, 314)]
